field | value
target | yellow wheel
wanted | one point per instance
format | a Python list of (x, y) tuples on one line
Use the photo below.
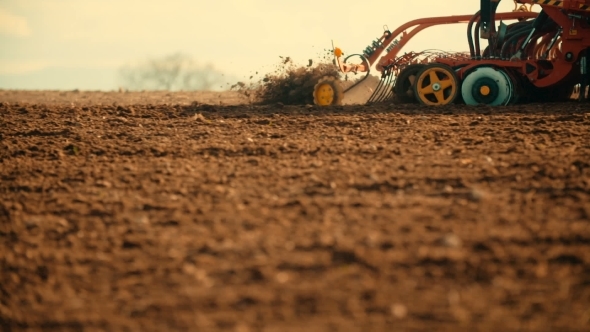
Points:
[(436, 84), (328, 92)]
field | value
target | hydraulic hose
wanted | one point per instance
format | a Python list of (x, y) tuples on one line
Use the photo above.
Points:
[(515, 32), (548, 26), (477, 45), (492, 41), (469, 33), (510, 28), (512, 41)]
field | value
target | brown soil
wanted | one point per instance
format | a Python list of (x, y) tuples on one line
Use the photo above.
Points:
[(102, 98), (144, 214)]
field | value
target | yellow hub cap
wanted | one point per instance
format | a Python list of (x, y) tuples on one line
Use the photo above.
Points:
[(484, 90), (328, 92), (325, 94), (436, 86)]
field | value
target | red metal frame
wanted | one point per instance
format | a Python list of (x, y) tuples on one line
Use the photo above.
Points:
[(570, 15), (418, 25), (545, 73)]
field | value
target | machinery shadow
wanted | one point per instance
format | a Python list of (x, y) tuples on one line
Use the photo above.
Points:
[(270, 110)]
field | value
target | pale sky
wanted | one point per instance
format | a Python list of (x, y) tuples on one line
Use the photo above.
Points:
[(67, 44)]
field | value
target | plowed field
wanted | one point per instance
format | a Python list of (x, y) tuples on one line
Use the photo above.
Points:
[(125, 212)]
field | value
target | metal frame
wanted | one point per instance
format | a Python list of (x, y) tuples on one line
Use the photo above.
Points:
[(545, 57)]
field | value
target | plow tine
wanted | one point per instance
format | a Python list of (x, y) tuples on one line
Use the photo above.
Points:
[(379, 91), (384, 89), (382, 93), (390, 82), (375, 95)]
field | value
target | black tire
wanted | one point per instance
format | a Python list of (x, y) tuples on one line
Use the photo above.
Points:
[(403, 89), (335, 87)]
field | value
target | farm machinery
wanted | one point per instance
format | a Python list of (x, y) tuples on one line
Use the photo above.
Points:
[(534, 57)]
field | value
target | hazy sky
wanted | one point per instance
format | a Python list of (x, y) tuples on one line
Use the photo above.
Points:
[(66, 44)]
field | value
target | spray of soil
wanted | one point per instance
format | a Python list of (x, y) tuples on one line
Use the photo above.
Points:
[(289, 83), (293, 84)]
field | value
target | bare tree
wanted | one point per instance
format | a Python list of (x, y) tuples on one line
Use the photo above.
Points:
[(171, 72)]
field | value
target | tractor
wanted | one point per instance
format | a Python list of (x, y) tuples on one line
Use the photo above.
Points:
[(529, 57)]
